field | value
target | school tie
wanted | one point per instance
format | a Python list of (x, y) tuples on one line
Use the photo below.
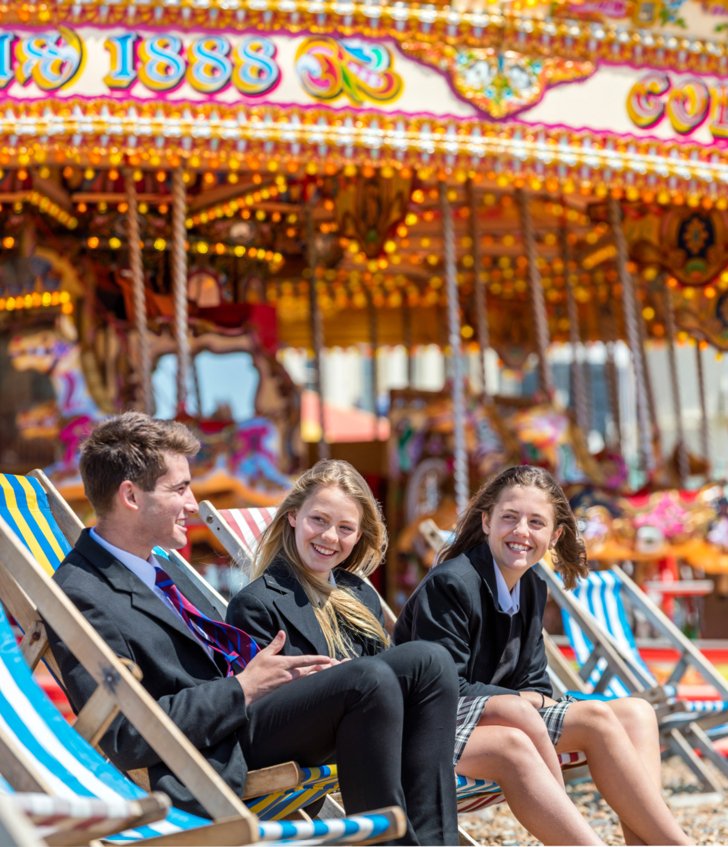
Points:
[(236, 646)]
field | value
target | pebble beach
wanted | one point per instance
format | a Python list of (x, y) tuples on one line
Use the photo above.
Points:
[(703, 817)]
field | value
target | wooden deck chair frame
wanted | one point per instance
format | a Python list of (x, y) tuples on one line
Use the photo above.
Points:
[(33, 598), (41, 752), (99, 712), (682, 733)]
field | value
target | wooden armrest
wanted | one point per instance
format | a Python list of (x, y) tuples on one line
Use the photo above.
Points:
[(281, 777)]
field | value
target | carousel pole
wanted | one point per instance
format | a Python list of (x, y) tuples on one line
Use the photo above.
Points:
[(179, 286), (140, 300), (374, 345), (407, 339), (462, 485), (538, 300), (683, 464), (317, 330), (704, 433), (633, 334), (581, 402), (650, 394), (610, 373), (481, 306)]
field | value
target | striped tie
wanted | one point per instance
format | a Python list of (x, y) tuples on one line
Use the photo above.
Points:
[(236, 646)]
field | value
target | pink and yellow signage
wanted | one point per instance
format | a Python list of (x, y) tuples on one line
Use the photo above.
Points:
[(139, 64)]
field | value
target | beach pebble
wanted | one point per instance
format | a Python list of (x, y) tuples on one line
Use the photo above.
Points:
[(703, 817)]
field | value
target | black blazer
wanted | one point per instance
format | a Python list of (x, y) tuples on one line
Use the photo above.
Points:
[(276, 600), (177, 670), (456, 605)]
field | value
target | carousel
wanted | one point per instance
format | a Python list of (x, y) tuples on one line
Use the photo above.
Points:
[(234, 178)]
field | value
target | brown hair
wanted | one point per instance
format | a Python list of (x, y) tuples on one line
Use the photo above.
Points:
[(333, 606), (568, 553), (130, 446)]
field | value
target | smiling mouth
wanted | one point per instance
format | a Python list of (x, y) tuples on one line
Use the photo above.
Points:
[(518, 548), (323, 551)]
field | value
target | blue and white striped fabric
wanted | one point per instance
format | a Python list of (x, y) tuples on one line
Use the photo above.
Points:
[(600, 594), (71, 768)]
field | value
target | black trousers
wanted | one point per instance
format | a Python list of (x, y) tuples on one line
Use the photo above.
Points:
[(389, 723)]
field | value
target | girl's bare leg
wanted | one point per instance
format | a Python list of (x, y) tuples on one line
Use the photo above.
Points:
[(536, 798), (511, 710), (627, 783)]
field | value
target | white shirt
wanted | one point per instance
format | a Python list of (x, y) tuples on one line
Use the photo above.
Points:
[(142, 568), (145, 570), (508, 601)]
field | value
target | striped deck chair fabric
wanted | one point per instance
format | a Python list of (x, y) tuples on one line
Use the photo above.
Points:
[(37, 734), (80, 819), (601, 594), (597, 626), (24, 506), (16, 829)]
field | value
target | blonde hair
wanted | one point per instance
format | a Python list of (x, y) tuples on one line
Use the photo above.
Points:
[(569, 551), (336, 609)]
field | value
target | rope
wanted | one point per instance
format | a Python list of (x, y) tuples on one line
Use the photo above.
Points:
[(179, 285), (538, 300), (317, 332), (462, 485), (633, 334), (140, 300), (704, 432), (481, 306), (581, 397), (683, 466)]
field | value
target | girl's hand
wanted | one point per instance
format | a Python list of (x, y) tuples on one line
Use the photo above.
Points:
[(537, 699)]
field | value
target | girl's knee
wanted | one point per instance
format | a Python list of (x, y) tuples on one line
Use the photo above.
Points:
[(593, 715), (517, 712), (506, 746), (634, 712)]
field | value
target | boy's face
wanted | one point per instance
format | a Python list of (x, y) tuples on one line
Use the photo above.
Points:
[(164, 511)]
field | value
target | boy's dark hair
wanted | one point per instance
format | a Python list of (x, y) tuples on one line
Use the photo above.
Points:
[(130, 446)]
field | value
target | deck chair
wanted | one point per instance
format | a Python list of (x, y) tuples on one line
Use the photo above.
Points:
[(596, 623), (31, 513), (32, 597), (41, 751), (239, 531), (16, 827)]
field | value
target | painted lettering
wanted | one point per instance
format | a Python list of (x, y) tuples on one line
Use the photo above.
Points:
[(688, 106), (122, 72), (161, 67), (51, 59), (254, 69), (208, 66)]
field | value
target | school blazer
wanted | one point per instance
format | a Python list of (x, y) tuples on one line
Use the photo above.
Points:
[(276, 600), (456, 606), (177, 670)]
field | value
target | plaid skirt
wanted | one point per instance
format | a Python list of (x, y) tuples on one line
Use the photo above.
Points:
[(470, 710)]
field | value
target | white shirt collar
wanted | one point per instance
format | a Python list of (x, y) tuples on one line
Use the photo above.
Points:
[(508, 601), (138, 566)]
